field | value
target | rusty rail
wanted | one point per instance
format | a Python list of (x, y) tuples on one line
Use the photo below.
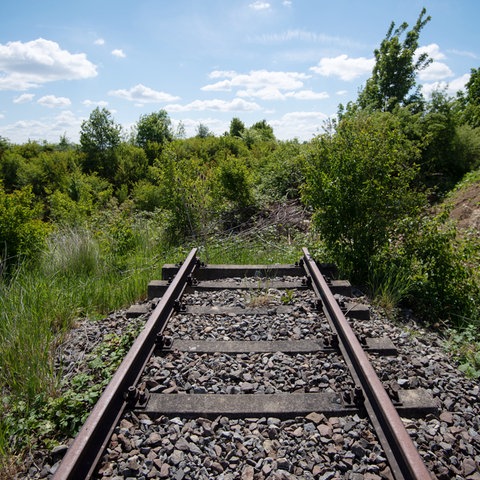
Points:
[(84, 453), (404, 459)]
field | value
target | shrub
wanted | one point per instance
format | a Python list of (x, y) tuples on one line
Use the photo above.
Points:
[(445, 288), (359, 183), (22, 233)]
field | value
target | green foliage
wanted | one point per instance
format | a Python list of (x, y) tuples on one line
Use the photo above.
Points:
[(464, 345), (203, 131), (470, 111), (281, 173), (263, 131), (99, 137), (74, 252), (429, 268), (390, 279), (467, 148), (39, 423), (80, 196), (132, 165), (396, 65), (147, 197), (11, 163), (359, 183), (473, 87), (176, 183), (259, 132), (152, 132), (232, 193), (445, 288), (22, 233), (237, 127)]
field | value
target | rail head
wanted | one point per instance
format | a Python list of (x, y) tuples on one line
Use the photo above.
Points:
[(83, 455), (404, 459)]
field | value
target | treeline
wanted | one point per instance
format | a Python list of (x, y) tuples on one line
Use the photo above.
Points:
[(195, 184)]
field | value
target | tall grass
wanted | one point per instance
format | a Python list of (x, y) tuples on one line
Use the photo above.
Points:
[(40, 303), (389, 285)]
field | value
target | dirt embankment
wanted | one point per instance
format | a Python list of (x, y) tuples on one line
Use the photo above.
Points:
[(466, 208)]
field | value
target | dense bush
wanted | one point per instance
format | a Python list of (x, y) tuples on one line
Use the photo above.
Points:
[(359, 182), (22, 233)]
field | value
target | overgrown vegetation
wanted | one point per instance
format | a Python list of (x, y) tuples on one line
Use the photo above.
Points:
[(83, 228)]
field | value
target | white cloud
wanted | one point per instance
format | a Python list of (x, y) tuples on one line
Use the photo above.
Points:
[(30, 64), (267, 93), (451, 88), (287, 3), (344, 67), (51, 101), (273, 93), (99, 41), (433, 51), (49, 129), (118, 52), (24, 98), (435, 71), (92, 103), (142, 94), (303, 125), (256, 82), (235, 105), (259, 5), (307, 95)]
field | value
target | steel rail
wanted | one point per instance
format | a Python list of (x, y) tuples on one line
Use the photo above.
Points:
[(86, 450), (404, 459)]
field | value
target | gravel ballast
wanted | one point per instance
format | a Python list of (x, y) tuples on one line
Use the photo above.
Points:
[(312, 446)]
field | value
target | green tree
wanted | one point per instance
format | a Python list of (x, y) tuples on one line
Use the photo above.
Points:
[(153, 131), (393, 77), (237, 127), (99, 137), (359, 183), (470, 110), (263, 130), (203, 131)]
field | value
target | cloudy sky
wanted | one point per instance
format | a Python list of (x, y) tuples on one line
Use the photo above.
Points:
[(290, 62)]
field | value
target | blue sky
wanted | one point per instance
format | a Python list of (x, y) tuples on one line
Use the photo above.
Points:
[(206, 61)]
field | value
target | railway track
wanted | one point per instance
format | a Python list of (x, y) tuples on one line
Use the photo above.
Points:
[(251, 354)]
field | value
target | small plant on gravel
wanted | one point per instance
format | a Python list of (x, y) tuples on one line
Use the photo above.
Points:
[(287, 297), (46, 421), (464, 346)]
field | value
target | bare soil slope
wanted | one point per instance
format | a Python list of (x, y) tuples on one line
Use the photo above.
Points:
[(466, 207)]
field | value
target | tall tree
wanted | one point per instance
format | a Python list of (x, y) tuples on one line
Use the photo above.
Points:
[(237, 127), (153, 131), (263, 130), (99, 137), (471, 107), (203, 131), (393, 77)]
